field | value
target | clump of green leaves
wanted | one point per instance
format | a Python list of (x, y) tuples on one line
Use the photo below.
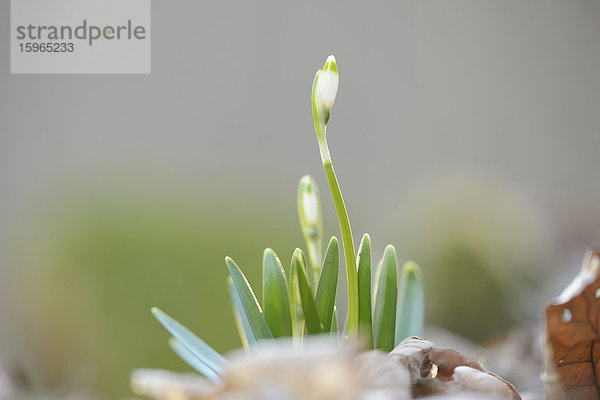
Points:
[(303, 301)]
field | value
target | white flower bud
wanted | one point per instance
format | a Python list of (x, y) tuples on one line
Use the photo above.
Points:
[(327, 84), (310, 204)]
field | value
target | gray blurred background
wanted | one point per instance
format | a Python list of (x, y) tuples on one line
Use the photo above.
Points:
[(466, 133)]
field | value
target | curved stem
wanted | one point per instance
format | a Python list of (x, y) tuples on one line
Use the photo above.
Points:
[(346, 231), (320, 117), (348, 244)]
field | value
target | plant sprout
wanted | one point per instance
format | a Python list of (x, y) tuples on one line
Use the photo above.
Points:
[(303, 302)]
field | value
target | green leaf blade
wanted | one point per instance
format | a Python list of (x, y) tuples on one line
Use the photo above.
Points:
[(326, 291), (365, 318), (241, 320), (311, 316), (276, 298), (296, 304), (193, 361), (193, 343), (249, 303), (411, 303), (384, 320)]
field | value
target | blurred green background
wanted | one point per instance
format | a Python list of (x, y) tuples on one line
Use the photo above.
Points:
[(465, 133), (99, 261), (96, 260)]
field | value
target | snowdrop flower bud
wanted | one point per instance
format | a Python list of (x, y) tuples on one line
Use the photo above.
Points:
[(327, 84), (309, 205), (310, 208), (311, 221), (324, 91)]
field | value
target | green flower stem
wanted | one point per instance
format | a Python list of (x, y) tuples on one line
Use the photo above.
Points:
[(348, 244), (322, 98), (314, 255), (345, 229)]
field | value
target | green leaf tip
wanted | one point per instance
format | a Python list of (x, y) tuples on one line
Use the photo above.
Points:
[(366, 239), (333, 241), (269, 251), (413, 268)]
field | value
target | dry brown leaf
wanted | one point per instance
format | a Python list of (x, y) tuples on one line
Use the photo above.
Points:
[(447, 372), (573, 336)]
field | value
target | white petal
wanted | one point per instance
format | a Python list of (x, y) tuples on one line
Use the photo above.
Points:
[(310, 206), (327, 87)]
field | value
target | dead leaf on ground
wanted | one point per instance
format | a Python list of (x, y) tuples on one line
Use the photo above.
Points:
[(573, 337), (447, 372)]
